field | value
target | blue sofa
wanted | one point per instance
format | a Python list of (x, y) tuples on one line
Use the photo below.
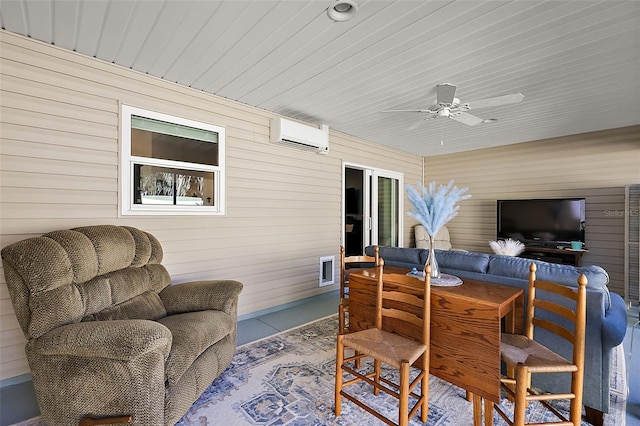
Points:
[(606, 312)]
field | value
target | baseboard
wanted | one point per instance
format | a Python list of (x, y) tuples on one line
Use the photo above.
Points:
[(15, 380), (287, 305)]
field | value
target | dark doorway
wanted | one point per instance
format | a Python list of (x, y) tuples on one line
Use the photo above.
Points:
[(354, 211)]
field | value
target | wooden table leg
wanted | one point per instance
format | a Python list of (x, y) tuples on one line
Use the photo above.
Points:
[(488, 412), (479, 403), (477, 408)]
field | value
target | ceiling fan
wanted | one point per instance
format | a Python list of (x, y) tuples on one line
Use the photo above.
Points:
[(448, 106)]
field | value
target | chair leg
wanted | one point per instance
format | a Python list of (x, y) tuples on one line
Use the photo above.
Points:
[(403, 412), (339, 362), (376, 375), (576, 403), (520, 398), (511, 374), (424, 388), (341, 319)]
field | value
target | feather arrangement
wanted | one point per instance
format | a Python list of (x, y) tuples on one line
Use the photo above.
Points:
[(507, 247), (434, 206)]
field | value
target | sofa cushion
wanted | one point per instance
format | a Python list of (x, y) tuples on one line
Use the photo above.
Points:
[(518, 267), (192, 334), (461, 260), (397, 256), (144, 306)]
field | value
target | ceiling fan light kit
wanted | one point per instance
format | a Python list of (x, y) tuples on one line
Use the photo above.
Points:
[(343, 10), (448, 106)]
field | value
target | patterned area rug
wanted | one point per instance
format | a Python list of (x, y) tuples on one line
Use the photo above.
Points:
[(288, 379)]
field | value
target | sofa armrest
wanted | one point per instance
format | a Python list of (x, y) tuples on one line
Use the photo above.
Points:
[(117, 340), (614, 325), (220, 295)]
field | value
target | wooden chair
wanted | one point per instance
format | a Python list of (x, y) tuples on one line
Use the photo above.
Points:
[(523, 356), (345, 261), (400, 300), (95, 421)]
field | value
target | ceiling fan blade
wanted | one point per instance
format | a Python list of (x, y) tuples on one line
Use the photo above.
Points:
[(468, 119), (499, 100), (409, 110), (415, 125), (446, 93)]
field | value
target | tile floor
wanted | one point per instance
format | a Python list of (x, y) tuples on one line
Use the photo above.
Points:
[(17, 402)]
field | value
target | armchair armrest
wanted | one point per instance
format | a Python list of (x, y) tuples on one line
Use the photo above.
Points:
[(220, 295), (117, 340), (102, 369)]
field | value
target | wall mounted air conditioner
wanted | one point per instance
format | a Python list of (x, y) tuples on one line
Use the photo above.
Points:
[(301, 136)]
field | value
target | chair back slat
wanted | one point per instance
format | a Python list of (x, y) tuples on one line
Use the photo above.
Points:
[(345, 261), (554, 328), (359, 259), (401, 297), (402, 315), (560, 310), (559, 289)]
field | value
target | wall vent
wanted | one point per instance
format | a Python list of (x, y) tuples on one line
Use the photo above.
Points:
[(327, 275)]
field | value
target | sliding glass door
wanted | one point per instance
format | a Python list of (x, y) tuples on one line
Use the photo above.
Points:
[(372, 208), (386, 221)]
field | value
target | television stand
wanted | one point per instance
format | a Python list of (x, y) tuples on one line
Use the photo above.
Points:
[(554, 255)]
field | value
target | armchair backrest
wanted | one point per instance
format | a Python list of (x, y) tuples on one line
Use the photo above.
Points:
[(100, 272), (442, 238)]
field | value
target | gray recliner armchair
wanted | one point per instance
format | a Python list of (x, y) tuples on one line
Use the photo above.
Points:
[(107, 334)]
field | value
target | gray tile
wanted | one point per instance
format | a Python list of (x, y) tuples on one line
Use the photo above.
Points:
[(253, 329), (18, 403), (302, 314)]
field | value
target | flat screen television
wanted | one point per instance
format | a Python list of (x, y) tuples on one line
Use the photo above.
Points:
[(545, 222)]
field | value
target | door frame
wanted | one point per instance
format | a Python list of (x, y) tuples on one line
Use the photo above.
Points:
[(370, 198)]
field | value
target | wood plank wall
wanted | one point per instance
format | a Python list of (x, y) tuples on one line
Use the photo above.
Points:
[(596, 166), (59, 169)]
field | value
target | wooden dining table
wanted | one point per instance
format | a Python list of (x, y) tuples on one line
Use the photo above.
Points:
[(466, 323)]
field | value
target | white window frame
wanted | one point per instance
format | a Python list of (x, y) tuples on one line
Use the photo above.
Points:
[(127, 161)]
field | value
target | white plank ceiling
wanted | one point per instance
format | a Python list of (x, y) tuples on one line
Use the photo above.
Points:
[(576, 62)]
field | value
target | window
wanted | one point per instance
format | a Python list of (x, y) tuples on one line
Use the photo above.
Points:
[(170, 165)]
